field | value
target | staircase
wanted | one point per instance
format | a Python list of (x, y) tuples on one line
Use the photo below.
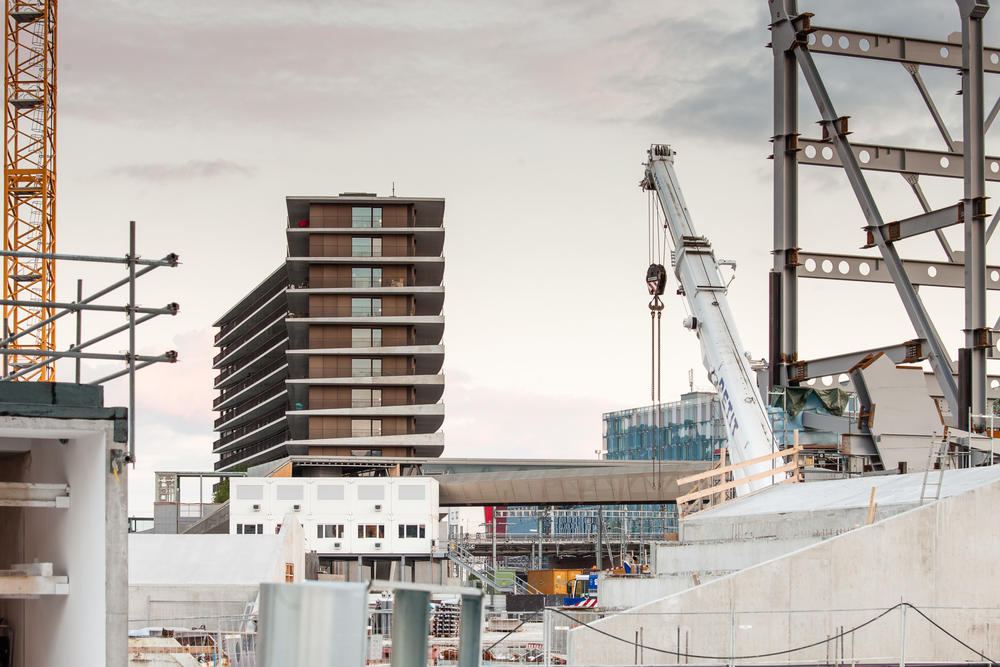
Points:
[(485, 572)]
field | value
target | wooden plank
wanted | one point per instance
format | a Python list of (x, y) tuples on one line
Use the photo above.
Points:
[(736, 466), (712, 490)]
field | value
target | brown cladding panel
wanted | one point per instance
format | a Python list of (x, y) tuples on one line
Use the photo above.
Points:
[(339, 335), (339, 305), (339, 215), (329, 215)]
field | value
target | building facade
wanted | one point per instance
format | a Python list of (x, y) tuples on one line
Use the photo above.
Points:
[(342, 517), (339, 351)]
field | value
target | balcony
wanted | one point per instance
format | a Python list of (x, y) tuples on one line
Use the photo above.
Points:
[(251, 455), (245, 409), (231, 374), (240, 345), (231, 392), (264, 426), (255, 311)]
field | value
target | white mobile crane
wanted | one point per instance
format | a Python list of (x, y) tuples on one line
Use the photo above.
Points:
[(747, 424)]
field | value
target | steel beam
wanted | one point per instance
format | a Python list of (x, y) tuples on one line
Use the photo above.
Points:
[(835, 129), (895, 48), (914, 72), (784, 302), (914, 182), (865, 268), (931, 221), (911, 351), (878, 157), (977, 337)]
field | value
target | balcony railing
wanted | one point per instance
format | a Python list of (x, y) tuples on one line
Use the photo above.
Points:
[(266, 345), (229, 392), (231, 413), (247, 310), (351, 433), (227, 458), (241, 431), (228, 348)]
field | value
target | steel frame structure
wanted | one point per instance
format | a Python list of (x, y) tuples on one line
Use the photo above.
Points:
[(30, 178), (44, 360), (794, 40)]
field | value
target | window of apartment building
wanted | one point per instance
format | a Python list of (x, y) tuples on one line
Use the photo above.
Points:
[(361, 428), (249, 529), (368, 531), (362, 368), (366, 246), (365, 277), (412, 530), (366, 338), (366, 398), (366, 307), (325, 530), (366, 216), (366, 452)]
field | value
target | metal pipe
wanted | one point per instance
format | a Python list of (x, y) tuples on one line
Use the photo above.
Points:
[(97, 339), (118, 374), (131, 340), (96, 295), (169, 309), (69, 354), (79, 326), (972, 13), (170, 260)]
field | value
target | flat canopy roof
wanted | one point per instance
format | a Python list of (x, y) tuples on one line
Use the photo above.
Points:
[(477, 482)]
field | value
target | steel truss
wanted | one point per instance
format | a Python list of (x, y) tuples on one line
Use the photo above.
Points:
[(41, 363), (30, 178), (794, 40)]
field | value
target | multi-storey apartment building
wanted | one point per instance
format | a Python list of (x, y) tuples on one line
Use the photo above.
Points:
[(338, 352)]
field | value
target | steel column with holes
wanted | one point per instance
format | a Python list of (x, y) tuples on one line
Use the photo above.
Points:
[(835, 131), (783, 334), (30, 176), (972, 375)]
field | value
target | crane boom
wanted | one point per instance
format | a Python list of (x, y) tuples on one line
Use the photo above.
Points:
[(747, 424)]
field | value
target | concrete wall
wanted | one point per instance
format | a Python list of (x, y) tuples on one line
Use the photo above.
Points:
[(152, 605), (726, 556), (85, 542), (939, 555), (788, 524)]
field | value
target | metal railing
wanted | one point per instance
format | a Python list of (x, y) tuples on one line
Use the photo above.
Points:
[(278, 326), (248, 310), (240, 431), (232, 413), (230, 391), (226, 458), (483, 571), (266, 346)]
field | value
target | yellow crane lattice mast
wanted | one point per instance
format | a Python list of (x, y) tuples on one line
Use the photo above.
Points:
[(30, 178)]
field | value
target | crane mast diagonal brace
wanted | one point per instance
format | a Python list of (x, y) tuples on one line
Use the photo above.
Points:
[(30, 177), (748, 426)]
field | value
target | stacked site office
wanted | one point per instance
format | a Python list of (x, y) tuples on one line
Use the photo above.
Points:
[(338, 351)]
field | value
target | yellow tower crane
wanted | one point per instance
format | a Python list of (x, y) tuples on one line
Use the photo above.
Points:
[(29, 180)]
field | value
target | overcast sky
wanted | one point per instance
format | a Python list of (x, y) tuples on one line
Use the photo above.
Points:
[(532, 120)]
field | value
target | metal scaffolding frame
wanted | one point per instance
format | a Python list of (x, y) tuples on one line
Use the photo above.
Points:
[(794, 40), (30, 365)]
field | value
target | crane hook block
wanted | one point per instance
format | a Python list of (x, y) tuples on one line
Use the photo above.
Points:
[(656, 279)]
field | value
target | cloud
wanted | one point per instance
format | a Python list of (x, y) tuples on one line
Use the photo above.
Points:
[(192, 170)]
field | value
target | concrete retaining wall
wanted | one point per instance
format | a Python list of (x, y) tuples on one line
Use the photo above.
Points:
[(939, 555), (677, 557)]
